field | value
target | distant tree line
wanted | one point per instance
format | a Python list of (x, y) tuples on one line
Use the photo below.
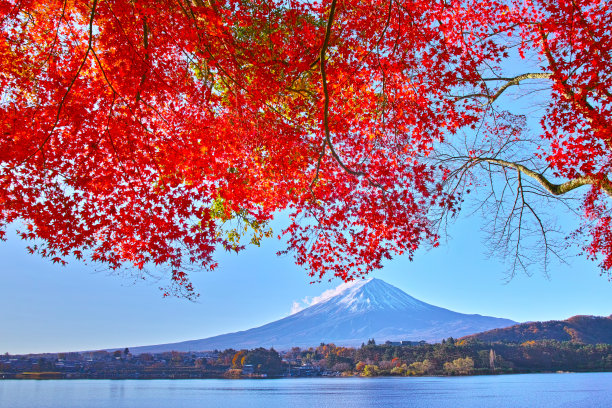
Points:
[(450, 357)]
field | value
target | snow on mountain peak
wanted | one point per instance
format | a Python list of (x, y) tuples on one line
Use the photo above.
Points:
[(348, 287), (363, 295), (375, 294)]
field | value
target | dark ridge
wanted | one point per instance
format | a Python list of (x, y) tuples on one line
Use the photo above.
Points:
[(578, 329)]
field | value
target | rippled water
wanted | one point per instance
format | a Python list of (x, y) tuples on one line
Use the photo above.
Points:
[(528, 390)]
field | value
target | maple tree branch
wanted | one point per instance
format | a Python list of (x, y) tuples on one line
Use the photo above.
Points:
[(330, 21), (223, 73), (115, 94), (596, 43), (74, 78), (59, 26), (552, 188), (547, 246), (380, 38), (585, 108), (516, 80), (510, 82), (316, 177), (519, 227), (515, 231), (145, 29)]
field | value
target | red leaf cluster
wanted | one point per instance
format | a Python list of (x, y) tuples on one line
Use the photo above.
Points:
[(122, 123)]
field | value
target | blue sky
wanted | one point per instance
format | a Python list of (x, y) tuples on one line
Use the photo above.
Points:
[(45, 307)]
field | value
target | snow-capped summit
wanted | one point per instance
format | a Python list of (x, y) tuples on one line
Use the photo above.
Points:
[(369, 295), (349, 315)]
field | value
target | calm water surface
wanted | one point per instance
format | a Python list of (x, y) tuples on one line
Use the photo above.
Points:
[(528, 390)]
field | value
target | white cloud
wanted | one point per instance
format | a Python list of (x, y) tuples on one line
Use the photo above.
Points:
[(296, 307)]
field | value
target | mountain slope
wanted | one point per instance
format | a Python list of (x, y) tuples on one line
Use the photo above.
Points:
[(577, 329), (357, 312)]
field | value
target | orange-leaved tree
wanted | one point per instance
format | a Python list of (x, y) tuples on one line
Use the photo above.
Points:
[(152, 133)]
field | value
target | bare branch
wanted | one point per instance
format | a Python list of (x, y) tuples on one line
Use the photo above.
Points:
[(552, 188), (510, 82)]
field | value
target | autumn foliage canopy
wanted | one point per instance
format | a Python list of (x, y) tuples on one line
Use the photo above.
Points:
[(154, 132)]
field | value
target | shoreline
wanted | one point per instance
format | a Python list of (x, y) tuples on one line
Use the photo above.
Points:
[(20, 377)]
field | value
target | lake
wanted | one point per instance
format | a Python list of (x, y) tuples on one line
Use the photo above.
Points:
[(525, 390)]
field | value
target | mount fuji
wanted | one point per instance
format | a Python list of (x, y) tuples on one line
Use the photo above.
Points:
[(348, 316)]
